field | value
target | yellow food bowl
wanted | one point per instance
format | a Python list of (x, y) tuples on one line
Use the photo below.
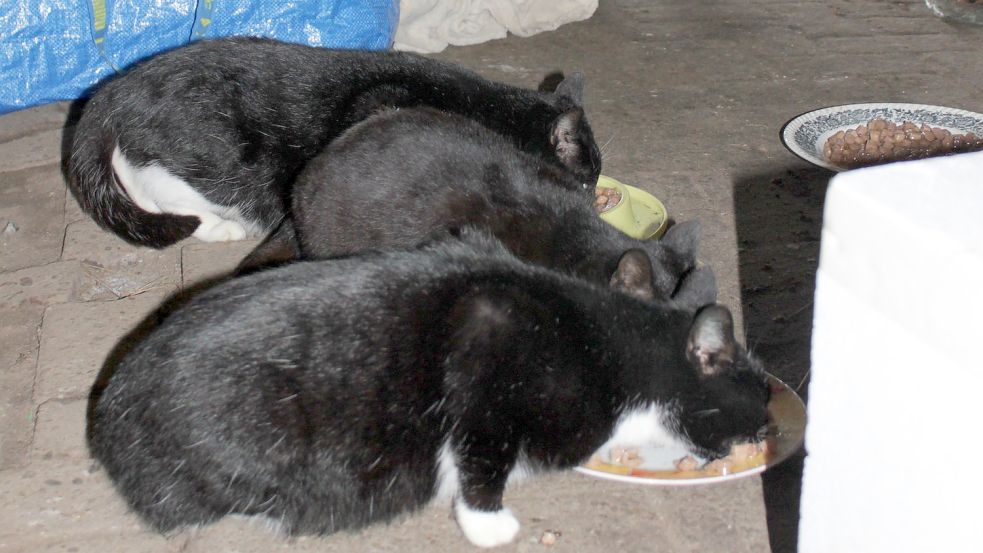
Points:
[(638, 214)]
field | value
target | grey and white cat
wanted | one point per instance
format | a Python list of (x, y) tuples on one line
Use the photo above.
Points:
[(206, 139)]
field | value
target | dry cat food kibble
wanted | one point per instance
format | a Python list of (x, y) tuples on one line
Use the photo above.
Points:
[(606, 198), (881, 141)]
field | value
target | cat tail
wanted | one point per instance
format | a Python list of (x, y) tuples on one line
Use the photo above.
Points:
[(97, 189), (280, 247)]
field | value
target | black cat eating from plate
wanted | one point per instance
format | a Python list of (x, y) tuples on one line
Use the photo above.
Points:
[(330, 395), (402, 176), (208, 138)]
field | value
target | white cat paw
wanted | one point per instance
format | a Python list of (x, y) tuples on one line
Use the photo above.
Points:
[(220, 231), (486, 528)]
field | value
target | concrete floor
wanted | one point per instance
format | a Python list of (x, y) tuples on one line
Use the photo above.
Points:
[(687, 99)]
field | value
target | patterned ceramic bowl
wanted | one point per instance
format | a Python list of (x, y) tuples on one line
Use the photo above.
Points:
[(806, 134)]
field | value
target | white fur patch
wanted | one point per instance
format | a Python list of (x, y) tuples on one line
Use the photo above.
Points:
[(482, 528), (156, 190), (645, 425), (523, 470), (486, 529), (448, 476)]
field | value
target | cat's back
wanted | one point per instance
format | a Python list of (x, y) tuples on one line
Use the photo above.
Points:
[(309, 325), (398, 155), (229, 79), (402, 175), (324, 300), (423, 133), (263, 70)]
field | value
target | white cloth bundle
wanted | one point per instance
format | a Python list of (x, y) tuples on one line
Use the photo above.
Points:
[(430, 25)]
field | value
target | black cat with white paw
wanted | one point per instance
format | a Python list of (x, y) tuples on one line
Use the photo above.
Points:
[(330, 395)]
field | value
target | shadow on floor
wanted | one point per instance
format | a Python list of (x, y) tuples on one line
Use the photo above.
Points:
[(779, 218)]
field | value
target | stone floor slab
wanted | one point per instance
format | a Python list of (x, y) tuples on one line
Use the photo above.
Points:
[(116, 269), (588, 515), (73, 211), (42, 147), (77, 337), (202, 261), (24, 294), (30, 121), (68, 506), (59, 430), (31, 227)]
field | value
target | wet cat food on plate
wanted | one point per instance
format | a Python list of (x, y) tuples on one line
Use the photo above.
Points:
[(606, 199), (687, 463), (881, 141), (741, 457), (626, 456)]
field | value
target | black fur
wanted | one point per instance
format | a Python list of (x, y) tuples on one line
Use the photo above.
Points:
[(403, 176), (319, 394), (237, 118)]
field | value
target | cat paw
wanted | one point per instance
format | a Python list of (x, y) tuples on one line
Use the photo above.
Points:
[(220, 231), (486, 528)]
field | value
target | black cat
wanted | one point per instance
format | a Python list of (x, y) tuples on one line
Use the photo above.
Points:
[(401, 177), (329, 395), (207, 139)]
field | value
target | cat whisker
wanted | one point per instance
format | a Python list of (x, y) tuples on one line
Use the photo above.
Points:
[(267, 508), (803, 381), (278, 442), (434, 406), (169, 489), (706, 412), (391, 483), (375, 463), (178, 467), (605, 145)]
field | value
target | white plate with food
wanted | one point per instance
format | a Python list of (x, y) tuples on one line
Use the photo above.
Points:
[(654, 464), (857, 135)]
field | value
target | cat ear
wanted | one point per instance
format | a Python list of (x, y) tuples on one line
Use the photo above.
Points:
[(634, 275), (698, 288), (683, 239), (550, 82), (572, 87), (563, 136), (711, 346)]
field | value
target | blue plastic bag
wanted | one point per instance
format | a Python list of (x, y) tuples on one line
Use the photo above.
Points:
[(54, 50)]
